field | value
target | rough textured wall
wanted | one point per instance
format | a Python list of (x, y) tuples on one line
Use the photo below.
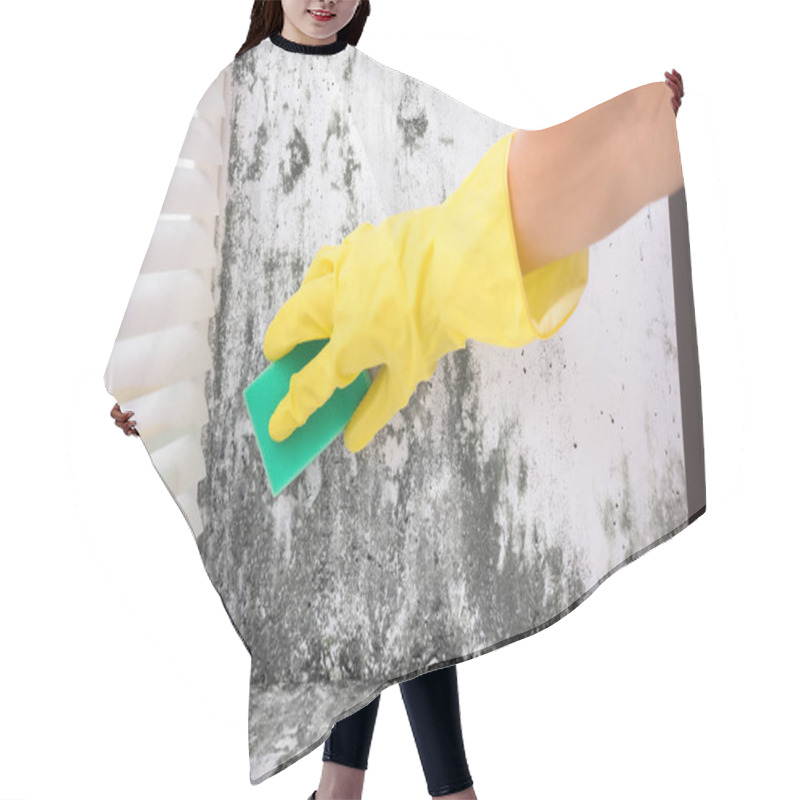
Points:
[(512, 483)]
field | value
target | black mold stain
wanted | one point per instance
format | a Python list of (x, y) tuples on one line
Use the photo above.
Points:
[(248, 332), (339, 130), (617, 514), (542, 580), (522, 477), (244, 72), (299, 159), (412, 128), (668, 503), (412, 121), (217, 332), (347, 74), (625, 510), (335, 128), (255, 167)]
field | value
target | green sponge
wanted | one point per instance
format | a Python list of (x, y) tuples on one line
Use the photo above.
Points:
[(285, 460)]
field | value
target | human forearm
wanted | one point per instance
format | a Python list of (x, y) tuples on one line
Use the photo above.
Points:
[(572, 184)]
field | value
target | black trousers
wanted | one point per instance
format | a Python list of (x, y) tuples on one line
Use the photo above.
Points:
[(431, 702)]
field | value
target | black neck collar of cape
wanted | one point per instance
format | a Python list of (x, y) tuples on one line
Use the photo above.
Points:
[(309, 49)]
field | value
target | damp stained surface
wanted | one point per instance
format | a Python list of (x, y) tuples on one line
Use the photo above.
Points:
[(512, 483)]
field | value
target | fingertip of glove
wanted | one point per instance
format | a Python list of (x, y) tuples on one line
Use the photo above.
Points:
[(277, 428), (270, 349), (348, 443), (273, 352), (274, 345), (353, 442)]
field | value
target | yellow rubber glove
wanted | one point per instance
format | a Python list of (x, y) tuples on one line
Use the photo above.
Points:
[(405, 292)]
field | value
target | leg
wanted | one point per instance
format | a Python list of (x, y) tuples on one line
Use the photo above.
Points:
[(346, 753), (573, 184), (433, 710)]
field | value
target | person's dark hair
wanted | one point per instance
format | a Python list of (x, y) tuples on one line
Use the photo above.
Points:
[(266, 18)]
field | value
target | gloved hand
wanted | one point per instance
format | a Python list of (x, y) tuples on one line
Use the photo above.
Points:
[(405, 292)]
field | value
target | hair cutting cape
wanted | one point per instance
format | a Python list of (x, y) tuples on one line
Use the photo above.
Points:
[(513, 483)]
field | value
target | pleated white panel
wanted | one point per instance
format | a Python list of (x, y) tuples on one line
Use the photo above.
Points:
[(191, 192), (161, 355), (212, 104), (202, 144), (143, 364), (172, 412), (165, 299), (177, 244), (181, 464)]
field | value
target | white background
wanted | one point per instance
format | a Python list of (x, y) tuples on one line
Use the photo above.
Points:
[(120, 674)]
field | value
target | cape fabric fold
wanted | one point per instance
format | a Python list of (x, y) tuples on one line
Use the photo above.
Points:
[(513, 483)]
